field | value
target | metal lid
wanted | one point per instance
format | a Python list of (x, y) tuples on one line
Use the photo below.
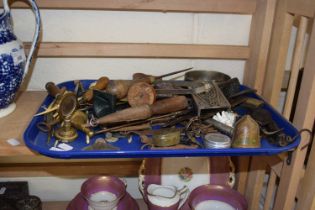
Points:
[(217, 140)]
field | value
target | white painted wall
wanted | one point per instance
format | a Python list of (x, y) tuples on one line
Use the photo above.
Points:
[(110, 26), (143, 27)]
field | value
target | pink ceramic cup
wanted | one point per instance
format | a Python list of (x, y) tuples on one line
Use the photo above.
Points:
[(103, 192)]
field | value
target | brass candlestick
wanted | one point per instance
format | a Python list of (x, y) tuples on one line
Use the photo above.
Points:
[(66, 133)]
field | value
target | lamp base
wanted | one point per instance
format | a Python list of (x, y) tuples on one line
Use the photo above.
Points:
[(8, 110)]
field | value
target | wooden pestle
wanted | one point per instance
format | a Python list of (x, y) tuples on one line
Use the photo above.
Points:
[(164, 106), (101, 84), (129, 114), (119, 88), (169, 105)]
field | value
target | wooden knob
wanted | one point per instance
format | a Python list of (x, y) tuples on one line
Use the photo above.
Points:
[(141, 93), (53, 89), (101, 84), (119, 88), (137, 77)]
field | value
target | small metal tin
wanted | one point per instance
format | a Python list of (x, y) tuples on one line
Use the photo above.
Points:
[(217, 140), (166, 137)]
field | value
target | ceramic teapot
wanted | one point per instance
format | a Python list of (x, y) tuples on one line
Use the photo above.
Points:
[(13, 63), (166, 197)]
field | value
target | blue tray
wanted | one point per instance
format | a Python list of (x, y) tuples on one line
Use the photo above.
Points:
[(36, 140)]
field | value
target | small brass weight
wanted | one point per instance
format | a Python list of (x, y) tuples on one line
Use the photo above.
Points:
[(66, 133)]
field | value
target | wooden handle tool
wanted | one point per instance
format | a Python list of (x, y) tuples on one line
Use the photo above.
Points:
[(119, 88), (53, 89), (146, 111), (101, 84), (129, 114), (169, 105)]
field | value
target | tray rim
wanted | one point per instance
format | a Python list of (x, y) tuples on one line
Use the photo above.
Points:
[(160, 153)]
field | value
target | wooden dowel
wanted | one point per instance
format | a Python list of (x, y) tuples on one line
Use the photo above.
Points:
[(296, 64), (270, 190), (255, 182), (224, 6), (141, 50)]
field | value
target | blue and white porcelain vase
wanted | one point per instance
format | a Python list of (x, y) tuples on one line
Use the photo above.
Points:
[(13, 63)]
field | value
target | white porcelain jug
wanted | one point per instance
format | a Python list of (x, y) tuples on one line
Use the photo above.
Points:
[(13, 63)]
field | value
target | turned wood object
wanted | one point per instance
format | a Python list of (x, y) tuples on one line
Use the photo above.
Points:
[(100, 84), (53, 89), (141, 93), (164, 106)]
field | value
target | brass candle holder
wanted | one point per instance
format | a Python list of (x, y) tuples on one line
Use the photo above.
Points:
[(66, 133)]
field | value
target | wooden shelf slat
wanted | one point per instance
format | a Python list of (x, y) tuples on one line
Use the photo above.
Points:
[(142, 50), (54, 205), (21, 161), (123, 168), (63, 205), (13, 126), (302, 7), (222, 6)]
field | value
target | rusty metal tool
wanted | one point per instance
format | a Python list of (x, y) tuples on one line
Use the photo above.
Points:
[(152, 78), (220, 126), (206, 95), (152, 121)]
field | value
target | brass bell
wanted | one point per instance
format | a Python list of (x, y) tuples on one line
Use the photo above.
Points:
[(246, 133)]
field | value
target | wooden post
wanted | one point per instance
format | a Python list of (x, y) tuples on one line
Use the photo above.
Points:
[(260, 35), (270, 189), (242, 173), (278, 53), (255, 182), (296, 65), (307, 196), (304, 118)]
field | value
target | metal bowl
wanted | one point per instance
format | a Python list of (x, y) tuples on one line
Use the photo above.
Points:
[(204, 75)]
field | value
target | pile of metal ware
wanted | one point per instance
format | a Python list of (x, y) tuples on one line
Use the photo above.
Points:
[(200, 111)]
